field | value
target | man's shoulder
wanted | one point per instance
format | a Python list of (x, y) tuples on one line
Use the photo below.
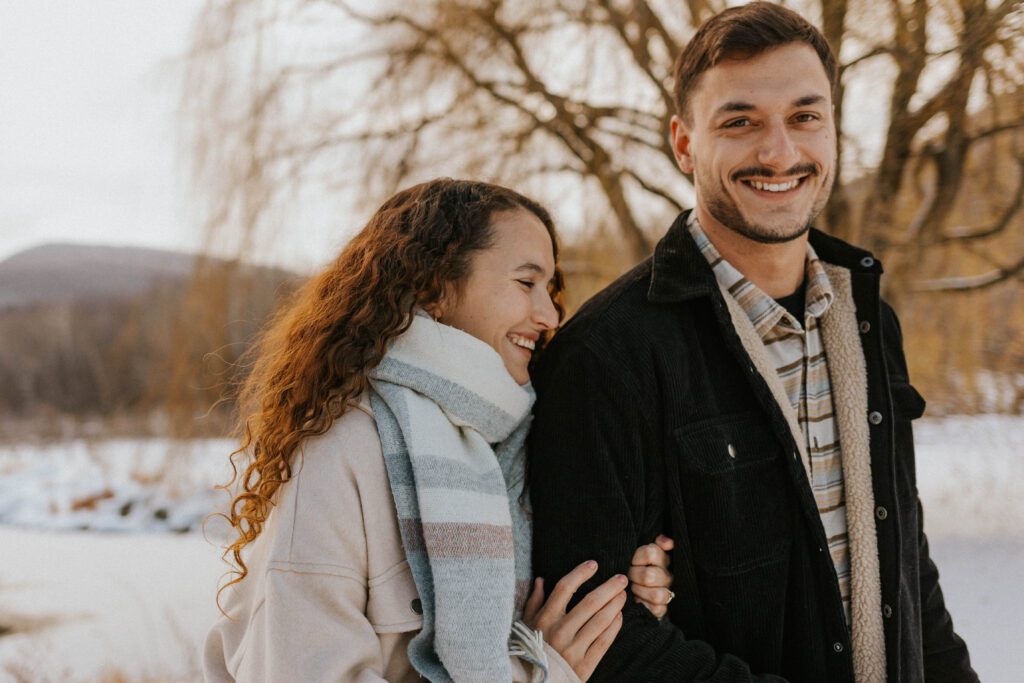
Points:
[(623, 301)]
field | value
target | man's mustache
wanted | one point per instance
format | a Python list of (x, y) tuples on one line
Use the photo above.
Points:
[(764, 172)]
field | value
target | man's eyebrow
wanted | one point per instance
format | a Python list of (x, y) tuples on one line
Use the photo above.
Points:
[(735, 106), (808, 100)]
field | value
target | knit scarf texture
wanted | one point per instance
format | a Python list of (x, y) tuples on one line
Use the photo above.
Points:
[(452, 424)]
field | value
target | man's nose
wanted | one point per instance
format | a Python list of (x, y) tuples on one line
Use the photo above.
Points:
[(777, 149)]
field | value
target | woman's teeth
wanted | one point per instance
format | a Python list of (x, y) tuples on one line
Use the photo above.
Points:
[(522, 341), (773, 187)]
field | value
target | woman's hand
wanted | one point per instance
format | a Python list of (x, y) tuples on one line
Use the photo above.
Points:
[(583, 635), (649, 577)]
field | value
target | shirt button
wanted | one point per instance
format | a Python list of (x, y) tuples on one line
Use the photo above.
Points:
[(417, 606), (867, 262), (881, 512), (837, 646), (875, 418), (732, 451), (887, 611), (865, 327)]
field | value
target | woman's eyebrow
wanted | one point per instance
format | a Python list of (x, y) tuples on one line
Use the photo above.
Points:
[(532, 267)]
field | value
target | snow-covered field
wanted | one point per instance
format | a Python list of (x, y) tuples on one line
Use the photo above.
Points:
[(78, 603)]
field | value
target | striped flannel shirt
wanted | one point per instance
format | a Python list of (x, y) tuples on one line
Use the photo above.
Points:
[(796, 349)]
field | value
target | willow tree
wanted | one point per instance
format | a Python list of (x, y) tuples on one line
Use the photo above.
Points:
[(571, 99)]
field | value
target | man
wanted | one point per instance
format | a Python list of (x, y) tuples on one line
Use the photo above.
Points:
[(745, 392)]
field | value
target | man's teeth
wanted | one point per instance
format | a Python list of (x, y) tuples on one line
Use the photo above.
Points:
[(773, 187), (522, 341)]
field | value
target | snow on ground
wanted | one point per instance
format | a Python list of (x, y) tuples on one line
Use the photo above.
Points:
[(112, 485), (75, 603)]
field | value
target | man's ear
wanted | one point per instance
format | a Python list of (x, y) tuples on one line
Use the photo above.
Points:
[(680, 139)]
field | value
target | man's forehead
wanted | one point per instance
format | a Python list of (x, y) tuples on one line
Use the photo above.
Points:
[(789, 74)]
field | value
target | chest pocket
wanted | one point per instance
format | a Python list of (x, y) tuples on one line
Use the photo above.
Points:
[(393, 605), (738, 503)]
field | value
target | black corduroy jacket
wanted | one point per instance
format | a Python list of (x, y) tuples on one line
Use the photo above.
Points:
[(641, 395)]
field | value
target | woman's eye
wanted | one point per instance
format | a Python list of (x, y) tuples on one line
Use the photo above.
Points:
[(526, 283)]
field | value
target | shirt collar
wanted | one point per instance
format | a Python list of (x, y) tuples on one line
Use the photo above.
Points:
[(764, 312)]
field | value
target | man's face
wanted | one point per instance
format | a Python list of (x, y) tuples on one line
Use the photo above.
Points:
[(761, 143)]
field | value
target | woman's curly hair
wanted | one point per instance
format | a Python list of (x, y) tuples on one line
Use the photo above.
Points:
[(311, 361)]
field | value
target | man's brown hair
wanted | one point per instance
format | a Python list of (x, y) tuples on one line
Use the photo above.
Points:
[(742, 33)]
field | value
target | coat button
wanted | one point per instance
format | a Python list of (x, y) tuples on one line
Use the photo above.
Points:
[(881, 512), (837, 646), (865, 327), (732, 451), (867, 262), (875, 418), (887, 611), (417, 606)]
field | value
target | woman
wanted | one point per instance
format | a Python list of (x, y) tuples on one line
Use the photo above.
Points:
[(388, 406)]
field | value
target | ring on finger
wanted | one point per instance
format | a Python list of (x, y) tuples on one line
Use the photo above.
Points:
[(670, 596)]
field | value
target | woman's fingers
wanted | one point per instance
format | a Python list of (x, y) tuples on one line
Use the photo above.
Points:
[(654, 599), (650, 554), (665, 543), (533, 603), (651, 577), (563, 591), (598, 648), (594, 601), (601, 620)]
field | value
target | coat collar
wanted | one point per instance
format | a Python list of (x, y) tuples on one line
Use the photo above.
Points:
[(680, 272)]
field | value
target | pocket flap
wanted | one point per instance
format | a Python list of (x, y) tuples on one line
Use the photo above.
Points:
[(393, 603), (726, 443)]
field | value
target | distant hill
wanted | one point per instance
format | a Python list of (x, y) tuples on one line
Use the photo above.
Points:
[(64, 273), (97, 331)]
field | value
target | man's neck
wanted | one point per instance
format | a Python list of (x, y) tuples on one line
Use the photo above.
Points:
[(777, 269)]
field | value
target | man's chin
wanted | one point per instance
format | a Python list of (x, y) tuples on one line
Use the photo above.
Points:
[(772, 234)]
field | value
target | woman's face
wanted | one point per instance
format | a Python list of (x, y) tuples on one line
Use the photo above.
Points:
[(504, 300)]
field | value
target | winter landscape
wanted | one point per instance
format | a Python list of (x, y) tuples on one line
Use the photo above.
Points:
[(107, 575)]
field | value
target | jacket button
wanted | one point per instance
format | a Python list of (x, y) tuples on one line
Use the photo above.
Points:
[(417, 606), (881, 512), (865, 327), (867, 262), (732, 451), (887, 611), (875, 418), (837, 646)]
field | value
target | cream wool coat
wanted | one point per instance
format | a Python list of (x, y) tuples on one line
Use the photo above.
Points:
[(329, 595)]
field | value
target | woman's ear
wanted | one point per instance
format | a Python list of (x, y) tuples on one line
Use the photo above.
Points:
[(439, 310)]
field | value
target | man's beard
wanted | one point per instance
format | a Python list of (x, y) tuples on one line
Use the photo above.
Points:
[(724, 209)]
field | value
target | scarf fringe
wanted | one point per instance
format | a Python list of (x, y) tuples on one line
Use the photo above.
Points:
[(528, 645)]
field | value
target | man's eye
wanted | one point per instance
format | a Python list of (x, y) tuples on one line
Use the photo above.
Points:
[(806, 118), (737, 123), (526, 283)]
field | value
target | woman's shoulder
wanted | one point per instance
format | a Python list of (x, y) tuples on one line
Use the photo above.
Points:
[(349, 448), (338, 496)]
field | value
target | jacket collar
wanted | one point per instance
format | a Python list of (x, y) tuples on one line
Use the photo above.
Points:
[(680, 272)]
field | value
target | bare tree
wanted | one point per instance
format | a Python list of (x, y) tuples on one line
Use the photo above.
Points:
[(572, 98), (302, 109)]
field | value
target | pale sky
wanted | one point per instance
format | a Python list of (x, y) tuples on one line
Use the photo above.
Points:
[(88, 145)]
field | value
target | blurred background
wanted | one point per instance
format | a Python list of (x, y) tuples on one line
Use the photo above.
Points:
[(170, 170)]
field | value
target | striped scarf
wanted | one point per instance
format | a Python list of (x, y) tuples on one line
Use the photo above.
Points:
[(452, 424)]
